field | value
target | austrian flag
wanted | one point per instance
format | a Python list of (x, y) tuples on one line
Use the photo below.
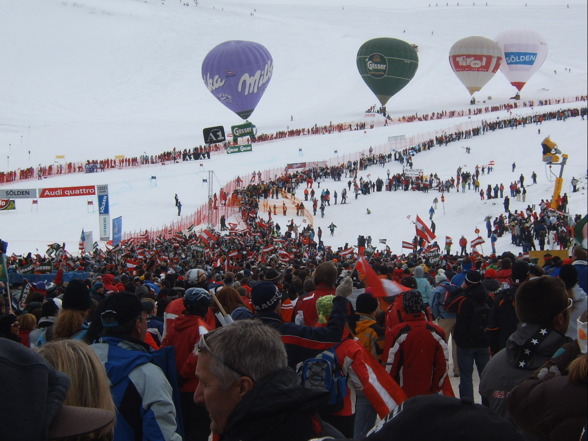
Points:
[(407, 245), (477, 241), (423, 231)]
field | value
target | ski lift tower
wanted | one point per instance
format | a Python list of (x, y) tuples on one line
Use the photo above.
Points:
[(210, 196)]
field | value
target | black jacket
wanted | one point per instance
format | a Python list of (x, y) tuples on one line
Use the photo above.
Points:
[(303, 342), (502, 321), (278, 408), (463, 304)]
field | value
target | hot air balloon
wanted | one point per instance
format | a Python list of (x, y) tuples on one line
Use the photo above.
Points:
[(524, 51), (386, 65), (475, 60), (237, 74)]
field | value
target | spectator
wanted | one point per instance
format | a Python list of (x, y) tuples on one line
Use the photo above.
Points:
[(472, 347), (579, 257), (28, 322), (569, 275), (325, 280), (142, 384), (9, 327), (49, 312), (89, 384), (542, 305), (423, 285), (46, 416), (250, 392)]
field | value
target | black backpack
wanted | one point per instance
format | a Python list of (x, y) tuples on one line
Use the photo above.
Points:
[(479, 322)]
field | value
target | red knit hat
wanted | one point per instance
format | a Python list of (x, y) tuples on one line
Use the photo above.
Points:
[(490, 274)]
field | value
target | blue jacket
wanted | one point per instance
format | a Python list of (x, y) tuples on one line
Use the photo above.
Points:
[(438, 299), (147, 404)]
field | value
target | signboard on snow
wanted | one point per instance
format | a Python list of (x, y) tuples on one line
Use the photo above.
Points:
[(214, 135)]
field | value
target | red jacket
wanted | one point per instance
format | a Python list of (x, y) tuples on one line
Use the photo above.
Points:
[(415, 355), (183, 335), (305, 310)]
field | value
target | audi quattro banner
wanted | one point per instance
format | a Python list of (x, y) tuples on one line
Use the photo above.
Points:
[(60, 192)]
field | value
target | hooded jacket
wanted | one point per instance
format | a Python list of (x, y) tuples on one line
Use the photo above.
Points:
[(369, 334), (526, 350), (141, 386), (305, 309), (278, 408), (415, 355), (183, 336)]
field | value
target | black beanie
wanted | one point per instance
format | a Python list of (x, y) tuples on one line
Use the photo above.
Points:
[(76, 296), (366, 303)]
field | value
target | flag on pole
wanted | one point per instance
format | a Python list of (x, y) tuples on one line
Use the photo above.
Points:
[(380, 287), (407, 245), (477, 241), (346, 252), (284, 255), (82, 246), (207, 236), (448, 241), (423, 231)]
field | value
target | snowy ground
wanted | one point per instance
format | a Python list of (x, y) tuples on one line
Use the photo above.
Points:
[(92, 79)]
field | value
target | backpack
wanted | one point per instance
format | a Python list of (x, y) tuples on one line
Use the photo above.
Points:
[(323, 373), (479, 323)]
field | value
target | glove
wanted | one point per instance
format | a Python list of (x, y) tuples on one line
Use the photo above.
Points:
[(345, 288)]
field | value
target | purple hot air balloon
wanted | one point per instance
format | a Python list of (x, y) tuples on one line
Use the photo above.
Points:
[(237, 74)]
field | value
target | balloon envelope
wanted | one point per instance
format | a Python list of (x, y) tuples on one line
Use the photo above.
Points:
[(386, 65), (237, 74), (524, 51), (475, 60)]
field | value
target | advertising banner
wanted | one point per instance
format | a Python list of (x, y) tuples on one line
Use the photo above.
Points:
[(103, 212), (22, 193), (242, 130), (213, 135), (61, 192), (239, 149), (7, 204), (116, 230)]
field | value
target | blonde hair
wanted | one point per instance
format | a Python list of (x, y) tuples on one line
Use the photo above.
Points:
[(28, 322), (89, 387), (68, 323)]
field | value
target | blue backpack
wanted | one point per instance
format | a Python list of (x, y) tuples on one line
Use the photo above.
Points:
[(323, 373)]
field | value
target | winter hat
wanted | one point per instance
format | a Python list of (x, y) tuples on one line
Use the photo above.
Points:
[(409, 282), (97, 285), (196, 299), (265, 296), (345, 288), (272, 275), (45, 417), (76, 296), (6, 321), (419, 272), (141, 290), (440, 277), (490, 273), (412, 302), (324, 307), (40, 286), (520, 272), (448, 419), (473, 277), (49, 308), (120, 308), (366, 303)]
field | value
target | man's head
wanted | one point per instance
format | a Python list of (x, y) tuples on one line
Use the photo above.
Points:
[(196, 301), (265, 296), (543, 301), (231, 360), (520, 272), (122, 315)]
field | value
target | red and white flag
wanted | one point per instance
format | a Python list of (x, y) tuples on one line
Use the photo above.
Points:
[(284, 255), (346, 252), (380, 287), (423, 231), (207, 236), (477, 241), (448, 241), (267, 249), (132, 263), (407, 245)]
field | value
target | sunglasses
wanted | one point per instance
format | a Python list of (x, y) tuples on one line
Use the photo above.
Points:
[(203, 346)]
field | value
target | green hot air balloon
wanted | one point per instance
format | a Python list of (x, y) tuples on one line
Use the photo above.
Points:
[(386, 65)]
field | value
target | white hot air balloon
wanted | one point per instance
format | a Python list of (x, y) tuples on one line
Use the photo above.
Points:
[(475, 60), (524, 51)]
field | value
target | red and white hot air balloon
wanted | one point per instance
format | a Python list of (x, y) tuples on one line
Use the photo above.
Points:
[(524, 52), (475, 60)]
